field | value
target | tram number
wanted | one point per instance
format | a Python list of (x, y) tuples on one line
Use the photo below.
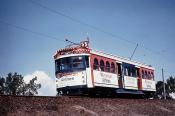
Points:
[(84, 44)]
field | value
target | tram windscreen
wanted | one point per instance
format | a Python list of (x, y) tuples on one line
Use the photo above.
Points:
[(70, 64)]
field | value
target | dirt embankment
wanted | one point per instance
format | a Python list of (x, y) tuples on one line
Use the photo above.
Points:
[(84, 106)]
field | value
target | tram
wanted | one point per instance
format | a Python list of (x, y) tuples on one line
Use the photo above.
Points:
[(81, 70)]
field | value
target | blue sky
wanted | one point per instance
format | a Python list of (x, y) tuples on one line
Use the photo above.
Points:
[(150, 23)]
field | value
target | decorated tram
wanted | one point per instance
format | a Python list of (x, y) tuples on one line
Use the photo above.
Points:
[(82, 70)]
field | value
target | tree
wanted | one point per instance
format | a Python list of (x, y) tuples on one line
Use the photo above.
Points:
[(32, 87), (14, 84), (171, 84), (2, 85), (159, 89), (169, 87)]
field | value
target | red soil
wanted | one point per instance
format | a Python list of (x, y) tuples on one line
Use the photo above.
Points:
[(84, 106)]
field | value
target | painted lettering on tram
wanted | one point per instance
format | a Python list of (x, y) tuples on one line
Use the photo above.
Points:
[(104, 80), (105, 75), (59, 75), (67, 79), (148, 83)]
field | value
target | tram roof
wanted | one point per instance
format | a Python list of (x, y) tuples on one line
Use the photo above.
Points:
[(121, 59), (83, 48), (107, 55)]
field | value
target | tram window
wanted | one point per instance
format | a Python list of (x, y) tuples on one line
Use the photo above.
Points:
[(96, 64), (149, 75), (102, 67), (69, 64), (107, 66), (126, 71), (129, 72), (77, 62), (143, 74), (112, 67), (57, 64), (119, 70), (146, 74), (63, 64), (152, 76), (134, 72), (87, 61)]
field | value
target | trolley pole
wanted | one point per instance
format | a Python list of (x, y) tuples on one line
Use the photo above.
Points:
[(164, 92)]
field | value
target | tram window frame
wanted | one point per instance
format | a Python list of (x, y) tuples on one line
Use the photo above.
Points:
[(96, 64), (146, 74), (152, 75), (126, 71), (77, 62), (149, 75), (107, 66), (134, 72), (143, 74), (129, 71), (102, 65), (87, 61), (113, 70), (65, 64)]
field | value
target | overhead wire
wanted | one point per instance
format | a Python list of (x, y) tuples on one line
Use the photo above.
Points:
[(28, 30), (81, 22), (92, 26), (77, 21)]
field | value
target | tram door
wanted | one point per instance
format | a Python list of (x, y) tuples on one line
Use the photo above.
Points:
[(120, 79)]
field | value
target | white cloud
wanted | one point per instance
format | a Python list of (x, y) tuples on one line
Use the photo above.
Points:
[(48, 87)]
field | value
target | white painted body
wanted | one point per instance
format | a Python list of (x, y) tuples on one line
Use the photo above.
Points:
[(148, 85), (89, 78), (130, 82), (100, 78), (71, 79)]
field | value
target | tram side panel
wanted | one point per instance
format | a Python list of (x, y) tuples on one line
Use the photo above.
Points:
[(148, 82), (102, 74), (130, 79), (104, 79)]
